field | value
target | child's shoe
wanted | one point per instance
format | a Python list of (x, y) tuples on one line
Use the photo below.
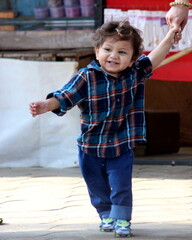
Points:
[(122, 228), (107, 225)]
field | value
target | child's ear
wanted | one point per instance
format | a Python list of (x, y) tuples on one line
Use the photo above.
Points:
[(97, 53), (134, 58)]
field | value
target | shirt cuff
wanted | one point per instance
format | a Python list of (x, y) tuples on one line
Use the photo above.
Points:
[(60, 111)]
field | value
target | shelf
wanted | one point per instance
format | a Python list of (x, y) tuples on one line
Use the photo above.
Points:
[(29, 23)]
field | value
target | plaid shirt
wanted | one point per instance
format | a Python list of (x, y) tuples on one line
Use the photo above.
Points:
[(112, 109)]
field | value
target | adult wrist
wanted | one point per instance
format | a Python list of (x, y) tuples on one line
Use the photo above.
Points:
[(181, 3)]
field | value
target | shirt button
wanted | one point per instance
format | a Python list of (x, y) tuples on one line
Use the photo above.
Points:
[(118, 100)]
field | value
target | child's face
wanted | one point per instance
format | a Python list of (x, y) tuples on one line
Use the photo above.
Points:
[(115, 56)]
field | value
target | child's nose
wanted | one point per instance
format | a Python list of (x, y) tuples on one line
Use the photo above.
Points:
[(114, 54)]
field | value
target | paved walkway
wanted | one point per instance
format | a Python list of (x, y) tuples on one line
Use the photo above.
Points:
[(52, 204)]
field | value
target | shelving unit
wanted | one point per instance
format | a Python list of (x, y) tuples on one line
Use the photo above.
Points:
[(29, 23), (27, 33), (24, 18)]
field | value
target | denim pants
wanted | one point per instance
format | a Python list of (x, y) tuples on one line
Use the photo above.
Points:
[(109, 183)]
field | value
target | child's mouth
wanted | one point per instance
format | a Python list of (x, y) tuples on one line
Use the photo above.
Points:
[(112, 63)]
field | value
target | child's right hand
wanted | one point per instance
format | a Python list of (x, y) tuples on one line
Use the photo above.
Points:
[(174, 35), (37, 108), (177, 37)]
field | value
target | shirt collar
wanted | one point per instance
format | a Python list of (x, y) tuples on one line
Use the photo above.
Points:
[(95, 65)]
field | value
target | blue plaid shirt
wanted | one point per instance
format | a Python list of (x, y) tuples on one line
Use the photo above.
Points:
[(112, 109)]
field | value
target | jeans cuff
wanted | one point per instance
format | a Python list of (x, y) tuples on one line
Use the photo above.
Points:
[(121, 212), (104, 214)]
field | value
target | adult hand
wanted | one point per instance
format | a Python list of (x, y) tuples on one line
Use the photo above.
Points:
[(177, 16)]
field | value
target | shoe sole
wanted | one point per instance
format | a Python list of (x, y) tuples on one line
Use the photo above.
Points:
[(117, 235), (106, 230)]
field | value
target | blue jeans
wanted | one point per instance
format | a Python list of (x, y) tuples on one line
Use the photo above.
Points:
[(109, 183)]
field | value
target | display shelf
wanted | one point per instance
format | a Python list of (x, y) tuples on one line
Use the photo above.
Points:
[(30, 23)]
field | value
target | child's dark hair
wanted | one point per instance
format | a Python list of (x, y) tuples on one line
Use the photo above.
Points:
[(119, 31)]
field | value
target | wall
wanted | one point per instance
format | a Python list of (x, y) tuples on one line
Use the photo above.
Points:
[(171, 95), (43, 141), (139, 4)]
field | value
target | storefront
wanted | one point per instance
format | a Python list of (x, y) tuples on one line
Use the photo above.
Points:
[(68, 39)]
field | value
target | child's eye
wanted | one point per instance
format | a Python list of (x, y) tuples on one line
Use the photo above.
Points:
[(107, 49), (122, 52)]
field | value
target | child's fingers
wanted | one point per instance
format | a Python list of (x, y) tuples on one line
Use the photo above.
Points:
[(33, 109), (31, 105), (175, 30), (177, 37), (33, 113)]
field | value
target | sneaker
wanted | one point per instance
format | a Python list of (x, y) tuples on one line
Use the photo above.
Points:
[(122, 228), (107, 225)]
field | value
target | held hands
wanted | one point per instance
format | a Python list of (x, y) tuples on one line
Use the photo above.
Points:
[(159, 53), (177, 18), (177, 36), (174, 35)]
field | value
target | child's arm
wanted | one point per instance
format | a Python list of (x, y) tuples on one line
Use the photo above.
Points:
[(40, 107), (160, 52)]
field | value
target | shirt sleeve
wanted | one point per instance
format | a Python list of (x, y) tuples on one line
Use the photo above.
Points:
[(144, 64), (72, 93)]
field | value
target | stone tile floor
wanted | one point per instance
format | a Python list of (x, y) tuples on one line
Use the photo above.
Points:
[(53, 204)]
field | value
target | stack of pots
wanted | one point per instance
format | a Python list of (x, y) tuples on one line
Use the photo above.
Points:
[(41, 11), (72, 8), (56, 8), (68, 8), (87, 8)]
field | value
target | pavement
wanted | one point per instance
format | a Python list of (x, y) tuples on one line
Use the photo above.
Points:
[(53, 204)]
